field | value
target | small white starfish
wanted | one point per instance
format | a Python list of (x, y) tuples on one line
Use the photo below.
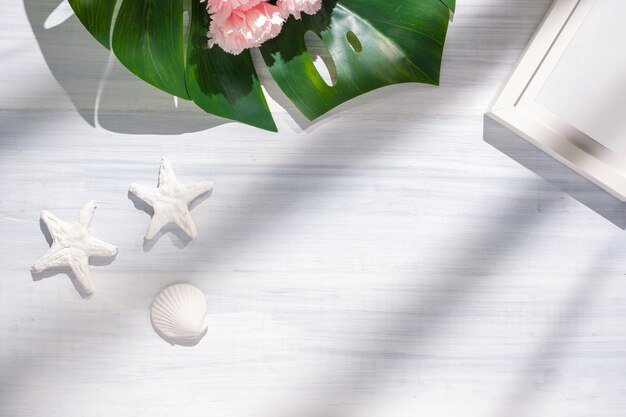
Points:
[(170, 201), (72, 246)]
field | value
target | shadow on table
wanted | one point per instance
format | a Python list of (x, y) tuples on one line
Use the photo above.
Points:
[(536, 375), (557, 174), (104, 92), (465, 268)]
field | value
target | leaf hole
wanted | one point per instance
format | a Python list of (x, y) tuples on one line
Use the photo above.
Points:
[(354, 42), (323, 61)]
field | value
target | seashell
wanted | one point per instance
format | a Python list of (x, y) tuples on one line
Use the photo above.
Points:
[(178, 314)]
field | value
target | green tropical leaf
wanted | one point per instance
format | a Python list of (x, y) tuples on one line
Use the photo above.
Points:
[(221, 83), (371, 45), (97, 17), (148, 40), (451, 4)]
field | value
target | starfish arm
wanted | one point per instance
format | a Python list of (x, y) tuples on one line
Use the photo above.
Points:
[(166, 174), (86, 214), (55, 258), (55, 225), (80, 268), (97, 247), (149, 195), (189, 192), (159, 220), (185, 222)]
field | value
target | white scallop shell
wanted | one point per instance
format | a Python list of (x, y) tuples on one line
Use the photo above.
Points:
[(179, 314)]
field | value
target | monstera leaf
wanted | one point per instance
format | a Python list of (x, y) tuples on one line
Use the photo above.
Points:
[(372, 44)]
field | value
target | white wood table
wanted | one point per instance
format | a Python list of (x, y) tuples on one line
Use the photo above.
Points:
[(385, 261)]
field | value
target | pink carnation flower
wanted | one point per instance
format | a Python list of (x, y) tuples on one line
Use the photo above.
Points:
[(241, 24), (221, 9), (295, 7)]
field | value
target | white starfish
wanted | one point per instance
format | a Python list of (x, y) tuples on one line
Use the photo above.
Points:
[(72, 246), (170, 201)]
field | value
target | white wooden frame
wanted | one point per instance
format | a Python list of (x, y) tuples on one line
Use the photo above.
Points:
[(516, 108)]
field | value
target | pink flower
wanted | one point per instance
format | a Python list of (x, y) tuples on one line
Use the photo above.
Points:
[(241, 24), (295, 7), (221, 9)]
